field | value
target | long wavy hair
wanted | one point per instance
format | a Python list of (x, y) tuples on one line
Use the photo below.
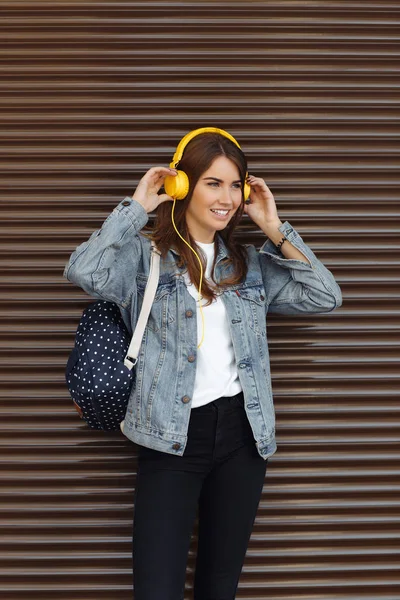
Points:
[(197, 158)]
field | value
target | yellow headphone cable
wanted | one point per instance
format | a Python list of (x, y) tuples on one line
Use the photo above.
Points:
[(201, 272)]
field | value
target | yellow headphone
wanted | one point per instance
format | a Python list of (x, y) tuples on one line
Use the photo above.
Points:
[(178, 187)]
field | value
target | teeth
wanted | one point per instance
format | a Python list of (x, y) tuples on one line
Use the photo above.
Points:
[(220, 212)]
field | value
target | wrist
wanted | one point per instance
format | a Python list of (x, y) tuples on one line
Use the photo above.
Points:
[(273, 233), (271, 230)]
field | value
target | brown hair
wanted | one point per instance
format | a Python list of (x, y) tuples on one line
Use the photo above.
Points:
[(197, 157)]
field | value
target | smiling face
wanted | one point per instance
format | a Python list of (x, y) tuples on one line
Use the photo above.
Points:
[(215, 199)]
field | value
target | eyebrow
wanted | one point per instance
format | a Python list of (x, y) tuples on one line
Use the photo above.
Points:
[(220, 180)]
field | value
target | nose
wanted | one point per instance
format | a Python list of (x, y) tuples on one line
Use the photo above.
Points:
[(226, 196)]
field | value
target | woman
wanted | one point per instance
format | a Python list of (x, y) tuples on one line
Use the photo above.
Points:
[(202, 413)]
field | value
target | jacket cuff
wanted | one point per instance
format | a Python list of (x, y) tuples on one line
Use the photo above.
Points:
[(296, 240), (133, 211), (325, 276)]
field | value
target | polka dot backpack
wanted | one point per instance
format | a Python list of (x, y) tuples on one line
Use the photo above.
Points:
[(99, 372)]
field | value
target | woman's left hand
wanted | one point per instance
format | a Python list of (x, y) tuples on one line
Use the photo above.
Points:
[(261, 208)]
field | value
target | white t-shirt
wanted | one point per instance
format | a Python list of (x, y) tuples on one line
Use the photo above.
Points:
[(216, 372)]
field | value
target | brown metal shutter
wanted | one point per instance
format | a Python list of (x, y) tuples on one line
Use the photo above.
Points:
[(93, 94)]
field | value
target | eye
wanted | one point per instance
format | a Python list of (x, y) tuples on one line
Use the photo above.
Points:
[(213, 183), (237, 186)]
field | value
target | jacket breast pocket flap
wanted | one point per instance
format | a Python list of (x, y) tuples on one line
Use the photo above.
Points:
[(254, 305), (161, 313)]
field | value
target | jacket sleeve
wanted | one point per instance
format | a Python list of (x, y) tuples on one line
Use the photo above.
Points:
[(105, 266), (294, 286)]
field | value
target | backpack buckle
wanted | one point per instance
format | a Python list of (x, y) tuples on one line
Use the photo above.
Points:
[(130, 362)]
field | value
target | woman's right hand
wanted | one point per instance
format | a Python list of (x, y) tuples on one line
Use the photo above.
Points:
[(147, 190)]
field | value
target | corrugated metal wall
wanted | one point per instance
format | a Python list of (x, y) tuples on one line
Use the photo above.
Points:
[(93, 94)]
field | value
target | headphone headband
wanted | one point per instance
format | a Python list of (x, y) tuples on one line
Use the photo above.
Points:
[(178, 186), (189, 136)]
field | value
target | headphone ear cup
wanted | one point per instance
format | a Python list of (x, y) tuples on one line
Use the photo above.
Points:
[(177, 186), (246, 191)]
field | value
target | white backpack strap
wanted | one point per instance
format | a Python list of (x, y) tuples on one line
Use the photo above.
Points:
[(151, 288)]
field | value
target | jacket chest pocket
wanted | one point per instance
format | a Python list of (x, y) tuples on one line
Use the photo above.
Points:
[(253, 302), (161, 313)]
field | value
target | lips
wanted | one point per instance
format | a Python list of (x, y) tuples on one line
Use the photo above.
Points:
[(219, 212)]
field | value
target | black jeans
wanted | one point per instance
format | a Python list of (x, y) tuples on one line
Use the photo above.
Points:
[(221, 475)]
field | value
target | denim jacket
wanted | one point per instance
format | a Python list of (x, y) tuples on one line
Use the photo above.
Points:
[(114, 265)]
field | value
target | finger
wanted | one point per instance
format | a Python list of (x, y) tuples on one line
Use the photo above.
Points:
[(162, 171), (164, 198), (156, 174), (154, 179), (255, 181)]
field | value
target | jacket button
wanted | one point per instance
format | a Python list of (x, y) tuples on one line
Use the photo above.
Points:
[(262, 298), (191, 358), (189, 313), (176, 446), (126, 203), (242, 365), (185, 399)]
